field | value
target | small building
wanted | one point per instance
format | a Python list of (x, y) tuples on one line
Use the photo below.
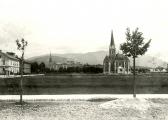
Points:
[(115, 62), (27, 67), (57, 66)]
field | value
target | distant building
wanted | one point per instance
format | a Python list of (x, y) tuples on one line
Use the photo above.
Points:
[(57, 65), (158, 69), (73, 64), (115, 63), (50, 62)]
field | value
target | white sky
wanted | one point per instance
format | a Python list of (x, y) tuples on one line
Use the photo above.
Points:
[(63, 26)]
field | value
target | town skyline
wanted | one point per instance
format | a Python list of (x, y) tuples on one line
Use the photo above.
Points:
[(81, 26)]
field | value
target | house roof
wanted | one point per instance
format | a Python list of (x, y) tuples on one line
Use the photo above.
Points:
[(9, 56), (27, 62)]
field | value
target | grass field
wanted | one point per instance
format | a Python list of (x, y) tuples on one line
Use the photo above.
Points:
[(82, 110), (87, 84)]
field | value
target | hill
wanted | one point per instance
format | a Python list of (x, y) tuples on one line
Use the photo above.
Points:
[(90, 57), (45, 59), (97, 58), (149, 61)]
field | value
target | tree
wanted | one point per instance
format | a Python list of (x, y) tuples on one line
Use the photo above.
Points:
[(34, 67), (159, 68), (21, 44), (133, 47), (42, 67)]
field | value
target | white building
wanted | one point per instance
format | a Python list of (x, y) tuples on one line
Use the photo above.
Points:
[(9, 64)]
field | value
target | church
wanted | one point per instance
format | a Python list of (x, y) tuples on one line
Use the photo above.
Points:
[(115, 63)]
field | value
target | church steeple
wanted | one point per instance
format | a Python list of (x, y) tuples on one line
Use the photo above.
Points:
[(112, 40), (50, 61), (112, 49)]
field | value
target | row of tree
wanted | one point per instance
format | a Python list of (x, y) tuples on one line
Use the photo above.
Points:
[(83, 69), (41, 68), (140, 70), (38, 68)]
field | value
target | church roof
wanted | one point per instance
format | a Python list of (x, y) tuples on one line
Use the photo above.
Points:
[(106, 59), (116, 57), (121, 57)]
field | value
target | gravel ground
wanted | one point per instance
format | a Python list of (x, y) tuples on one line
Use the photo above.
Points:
[(82, 110)]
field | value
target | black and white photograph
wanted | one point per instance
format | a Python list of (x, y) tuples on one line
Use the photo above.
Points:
[(83, 60)]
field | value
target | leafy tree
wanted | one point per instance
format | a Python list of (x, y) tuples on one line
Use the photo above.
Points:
[(70, 69), (21, 44), (61, 70), (167, 68), (159, 68), (92, 69), (34, 67), (78, 69), (47, 70), (42, 67), (133, 47)]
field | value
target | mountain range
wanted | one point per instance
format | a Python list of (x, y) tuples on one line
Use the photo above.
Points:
[(96, 58)]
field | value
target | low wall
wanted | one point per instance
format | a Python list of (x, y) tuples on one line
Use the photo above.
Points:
[(86, 84)]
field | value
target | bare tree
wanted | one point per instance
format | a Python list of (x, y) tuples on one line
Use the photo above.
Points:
[(133, 47), (21, 44)]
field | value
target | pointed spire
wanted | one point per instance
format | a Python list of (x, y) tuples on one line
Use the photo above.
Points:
[(112, 39), (112, 46), (50, 59)]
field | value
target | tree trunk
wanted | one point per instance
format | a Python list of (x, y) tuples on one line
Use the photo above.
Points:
[(134, 81), (21, 80), (21, 89)]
